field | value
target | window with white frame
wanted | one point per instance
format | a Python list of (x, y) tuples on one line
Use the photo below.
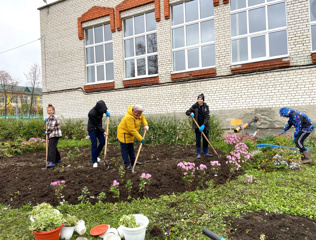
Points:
[(193, 41), (258, 30), (99, 54), (312, 8), (140, 46)]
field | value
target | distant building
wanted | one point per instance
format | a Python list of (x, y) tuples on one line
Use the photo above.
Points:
[(19, 98), (248, 57)]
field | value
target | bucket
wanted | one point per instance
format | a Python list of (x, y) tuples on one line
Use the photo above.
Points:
[(136, 233)]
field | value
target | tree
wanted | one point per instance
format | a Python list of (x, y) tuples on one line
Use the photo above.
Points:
[(7, 85), (33, 78)]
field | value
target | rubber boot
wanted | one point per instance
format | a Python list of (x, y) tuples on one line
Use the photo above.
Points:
[(206, 153), (198, 150), (307, 157)]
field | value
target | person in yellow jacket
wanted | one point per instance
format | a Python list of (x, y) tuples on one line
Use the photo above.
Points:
[(127, 131)]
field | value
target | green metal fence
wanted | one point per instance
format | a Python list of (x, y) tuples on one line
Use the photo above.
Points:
[(22, 116)]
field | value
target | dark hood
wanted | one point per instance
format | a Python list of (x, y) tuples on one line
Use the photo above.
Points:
[(101, 107)]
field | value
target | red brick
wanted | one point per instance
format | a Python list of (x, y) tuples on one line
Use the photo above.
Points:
[(215, 3), (314, 57), (93, 13), (128, 4), (251, 67), (98, 87), (166, 8), (141, 81), (225, 1), (193, 74)]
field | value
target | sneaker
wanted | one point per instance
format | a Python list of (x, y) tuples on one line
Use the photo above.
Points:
[(99, 159), (138, 163), (51, 164), (95, 165), (128, 168), (198, 156), (208, 155)]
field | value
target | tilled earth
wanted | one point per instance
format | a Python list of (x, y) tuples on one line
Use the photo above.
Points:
[(25, 180)]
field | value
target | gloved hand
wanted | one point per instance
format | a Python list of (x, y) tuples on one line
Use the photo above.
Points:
[(192, 115), (283, 132), (45, 132), (146, 127), (202, 128), (107, 114), (143, 141), (293, 139), (46, 119)]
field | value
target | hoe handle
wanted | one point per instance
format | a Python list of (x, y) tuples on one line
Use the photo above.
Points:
[(211, 235), (140, 147), (205, 136), (46, 146), (107, 136)]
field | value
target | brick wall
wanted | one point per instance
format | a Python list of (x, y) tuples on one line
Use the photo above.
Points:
[(64, 74)]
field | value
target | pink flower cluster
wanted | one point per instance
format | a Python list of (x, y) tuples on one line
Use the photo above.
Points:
[(215, 163), (57, 183), (87, 137), (250, 178), (145, 175), (231, 138), (202, 167), (33, 141), (115, 183), (187, 166)]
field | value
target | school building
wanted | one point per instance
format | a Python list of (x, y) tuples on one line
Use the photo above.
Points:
[(248, 57)]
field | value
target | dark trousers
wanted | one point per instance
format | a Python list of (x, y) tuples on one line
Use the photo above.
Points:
[(299, 140), (198, 136), (95, 149), (53, 153), (127, 149)]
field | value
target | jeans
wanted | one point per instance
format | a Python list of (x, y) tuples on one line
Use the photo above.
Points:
[(53, 153), (127, 149), (95, 149), (198, 138)]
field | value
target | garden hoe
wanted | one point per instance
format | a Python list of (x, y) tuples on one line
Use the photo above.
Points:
[(211, 234), (46, 148), (106, 143), (205, 137), (140, 147)]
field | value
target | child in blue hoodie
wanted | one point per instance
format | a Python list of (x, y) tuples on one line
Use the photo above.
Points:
[(303, 127)]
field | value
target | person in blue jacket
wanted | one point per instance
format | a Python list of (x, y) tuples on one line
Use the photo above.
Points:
[(303, 127), (201, 113)]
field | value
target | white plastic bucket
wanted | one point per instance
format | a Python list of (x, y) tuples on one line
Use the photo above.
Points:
[(67, 232), (136, 233)]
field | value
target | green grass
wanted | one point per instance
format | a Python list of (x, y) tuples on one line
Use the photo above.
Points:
[(186, 214), (66, 143)]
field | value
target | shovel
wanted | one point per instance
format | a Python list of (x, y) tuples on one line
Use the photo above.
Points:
[(205, 137), (106, 143), (46, 148), (140, 147)]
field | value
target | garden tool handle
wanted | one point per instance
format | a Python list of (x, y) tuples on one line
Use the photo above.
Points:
[(211, 235), (107, 135), (46, 145), (140, 147), (205, 136)]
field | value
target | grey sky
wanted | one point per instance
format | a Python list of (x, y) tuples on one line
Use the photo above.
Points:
[(20, 25)]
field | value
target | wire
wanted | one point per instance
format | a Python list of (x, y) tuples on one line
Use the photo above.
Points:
[(19, 46)]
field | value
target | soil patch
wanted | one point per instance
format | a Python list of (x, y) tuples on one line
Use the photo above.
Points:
[(272, 226)]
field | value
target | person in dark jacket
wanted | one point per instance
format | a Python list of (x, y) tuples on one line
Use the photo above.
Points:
[(200, 111), (96, 130), (303, 127)]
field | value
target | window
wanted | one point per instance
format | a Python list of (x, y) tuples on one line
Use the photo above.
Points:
[(99, 54), (258, 30), (25, 99), (14, 99), (193, 41), (140, 46), (312, 8)]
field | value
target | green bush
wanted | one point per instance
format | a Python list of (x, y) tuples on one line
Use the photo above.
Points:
[(73, 129)]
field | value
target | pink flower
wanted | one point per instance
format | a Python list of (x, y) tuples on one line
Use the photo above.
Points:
[(87, 137), (115, 183)]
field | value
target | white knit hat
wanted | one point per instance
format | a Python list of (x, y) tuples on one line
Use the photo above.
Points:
[(138, 108)]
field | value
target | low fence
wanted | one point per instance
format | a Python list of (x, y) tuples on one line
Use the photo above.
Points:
[(22, 116)]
